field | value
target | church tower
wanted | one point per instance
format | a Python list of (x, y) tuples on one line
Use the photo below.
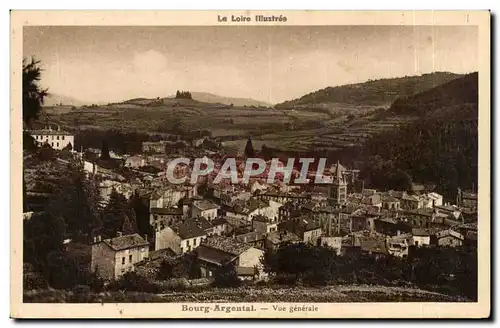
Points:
[(337, 193)]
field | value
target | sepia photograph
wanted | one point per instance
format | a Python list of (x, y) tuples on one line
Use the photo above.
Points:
[(250, 164)]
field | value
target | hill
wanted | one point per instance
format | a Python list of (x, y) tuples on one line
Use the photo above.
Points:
[(216, 99), (440, 147), (372, 92), (54, 99)]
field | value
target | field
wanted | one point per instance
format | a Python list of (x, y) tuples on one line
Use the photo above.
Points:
[(328, 126), (341, 294)]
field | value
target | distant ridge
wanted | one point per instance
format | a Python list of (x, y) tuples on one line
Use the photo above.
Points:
[(373, 92), (216, 99), (54, 99)]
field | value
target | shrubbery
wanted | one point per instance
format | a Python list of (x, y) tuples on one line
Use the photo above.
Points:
[(226, 276), (131, 281), (451, 270)]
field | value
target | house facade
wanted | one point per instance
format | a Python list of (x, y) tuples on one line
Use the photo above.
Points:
[(111, 258), (135, 162), (218, 251), (158, 147), (180, 238), (263, 224), (449, 238), (57, 139), (159, 217), (205, 209)]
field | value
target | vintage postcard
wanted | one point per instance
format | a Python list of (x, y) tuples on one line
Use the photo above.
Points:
[(250, 164)]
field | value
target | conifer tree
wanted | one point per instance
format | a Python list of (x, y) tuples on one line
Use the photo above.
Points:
[(249, 151)]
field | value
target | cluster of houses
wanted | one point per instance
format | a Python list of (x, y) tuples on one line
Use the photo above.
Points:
[(236, 223)]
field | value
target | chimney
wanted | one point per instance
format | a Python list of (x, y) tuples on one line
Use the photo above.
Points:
[(95, 239), (98, 238), (118, 234), (58, 128)]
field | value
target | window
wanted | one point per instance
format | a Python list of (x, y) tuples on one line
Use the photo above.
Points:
[(194, 242), (187, 243), (58, 144), (52, 144), (130, 258), (62, 137), (123, 260), (57, 137)]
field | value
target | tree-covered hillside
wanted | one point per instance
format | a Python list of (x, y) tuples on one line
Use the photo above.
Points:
[(383, 91), (440, 148)]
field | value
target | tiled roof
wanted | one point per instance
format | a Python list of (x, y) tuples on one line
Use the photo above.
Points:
[(50, 132), (299, 225), (126, 242), (166, 211), (226, 245), (261, 218), (373, 245), (389, 199), (162, 253), (251, 237), (448, 208), (188, 229), (425, 231), (219, 221), (449, 232), (205, 205), (277, 237), (428, 212), (203, 223), (237, 222), (412, 198)]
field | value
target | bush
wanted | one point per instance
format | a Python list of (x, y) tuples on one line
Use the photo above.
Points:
[(226, 276), (33, 281), (177, 285), (131, 281)]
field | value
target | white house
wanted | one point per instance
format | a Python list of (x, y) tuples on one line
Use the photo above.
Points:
[(205, 209), (435, 199), (421, 237), (181, 238), (57, 139)]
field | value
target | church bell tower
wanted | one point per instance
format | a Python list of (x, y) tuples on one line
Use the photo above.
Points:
[(337, 193)]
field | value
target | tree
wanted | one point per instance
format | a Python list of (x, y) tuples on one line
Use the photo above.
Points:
[(69, 147), (43, 233), (76, 199), (141, 213), (33, 94), (115, 214), (105, 151), (226, 276), (313, 264), (29, 143), (249, 151), (129, 225)]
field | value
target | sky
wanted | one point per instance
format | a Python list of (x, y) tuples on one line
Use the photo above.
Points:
[(268, 63)]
